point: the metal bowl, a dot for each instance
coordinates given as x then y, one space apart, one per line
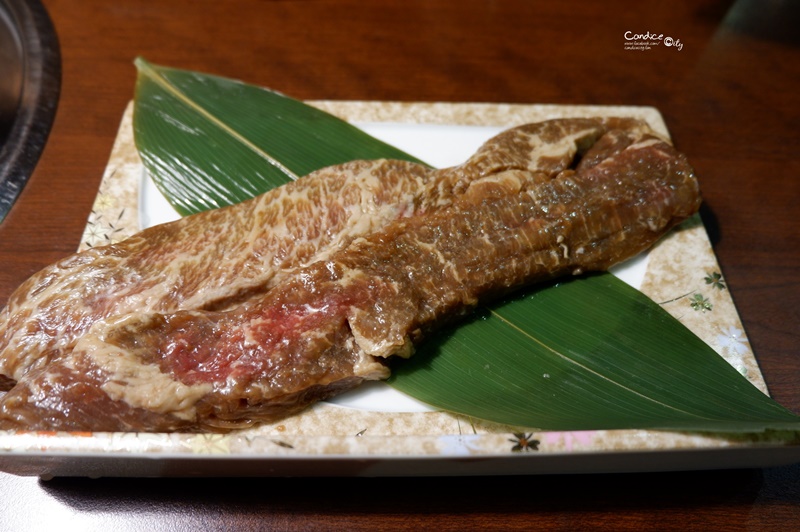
30 82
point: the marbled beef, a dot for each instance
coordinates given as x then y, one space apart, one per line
331 324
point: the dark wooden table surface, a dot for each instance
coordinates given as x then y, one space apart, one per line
730 95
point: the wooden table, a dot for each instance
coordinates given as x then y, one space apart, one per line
729 94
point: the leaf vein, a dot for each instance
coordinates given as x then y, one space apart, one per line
587 369
169 87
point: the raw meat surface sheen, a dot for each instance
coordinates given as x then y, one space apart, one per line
329 325
219 258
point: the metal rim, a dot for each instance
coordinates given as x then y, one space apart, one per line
40 86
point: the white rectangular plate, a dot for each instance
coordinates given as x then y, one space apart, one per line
376 431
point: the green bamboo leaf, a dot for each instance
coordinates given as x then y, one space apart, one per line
591 353
588 353
209 141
